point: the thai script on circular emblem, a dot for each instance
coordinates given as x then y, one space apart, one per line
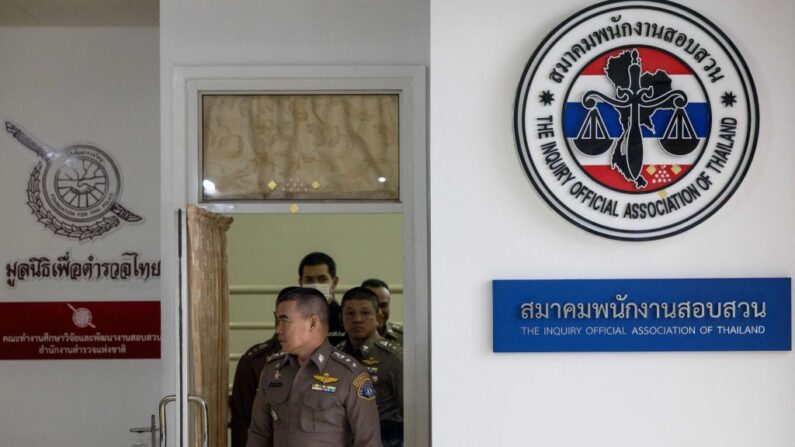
73 191
636 120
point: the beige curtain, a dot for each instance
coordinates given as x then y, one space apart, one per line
208 292
314 147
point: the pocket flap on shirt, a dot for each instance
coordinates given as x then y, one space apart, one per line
319 400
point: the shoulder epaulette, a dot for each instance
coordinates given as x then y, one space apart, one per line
390 346
277 356
397 327
258 349
345 359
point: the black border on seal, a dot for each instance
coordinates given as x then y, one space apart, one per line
731 185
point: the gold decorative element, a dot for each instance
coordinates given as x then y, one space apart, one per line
663 193
370 361
676 169
272 185
316 184
651 169
294 208
326 378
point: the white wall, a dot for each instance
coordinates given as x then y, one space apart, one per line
487 222
99 86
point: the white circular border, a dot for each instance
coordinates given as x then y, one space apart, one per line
534 73
71 154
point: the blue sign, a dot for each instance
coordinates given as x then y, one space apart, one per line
734 314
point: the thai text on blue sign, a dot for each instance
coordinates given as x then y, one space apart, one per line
734 314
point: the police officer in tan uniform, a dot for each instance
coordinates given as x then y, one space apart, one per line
311 394
388 330
383 359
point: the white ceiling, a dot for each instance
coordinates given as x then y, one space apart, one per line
79 12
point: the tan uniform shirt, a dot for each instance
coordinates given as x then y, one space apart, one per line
393 332
384 361
329 401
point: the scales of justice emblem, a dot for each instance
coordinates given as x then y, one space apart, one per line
74 191
651 141
636 120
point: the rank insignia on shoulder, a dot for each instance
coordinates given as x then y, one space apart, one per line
364 387
325 379
273 357
324 388
370 361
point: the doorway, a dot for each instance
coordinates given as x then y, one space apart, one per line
404 218
264 251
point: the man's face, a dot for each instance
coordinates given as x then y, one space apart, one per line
318 274
294 331
360 319
383 304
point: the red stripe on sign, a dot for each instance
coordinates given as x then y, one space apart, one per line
80 330
657 176
651 60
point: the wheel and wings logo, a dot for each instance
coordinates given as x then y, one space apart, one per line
73 191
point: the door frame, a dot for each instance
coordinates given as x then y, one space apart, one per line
180 160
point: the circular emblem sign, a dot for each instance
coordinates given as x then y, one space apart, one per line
81 183
636 120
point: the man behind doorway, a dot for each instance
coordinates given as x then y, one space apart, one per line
311 394
388 330
318 271
244 387
383 359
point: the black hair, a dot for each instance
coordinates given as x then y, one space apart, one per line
318 258
374 283
310 302
360 293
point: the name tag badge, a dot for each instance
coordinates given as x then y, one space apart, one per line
275 385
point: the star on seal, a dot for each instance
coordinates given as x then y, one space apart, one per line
546 97
728 99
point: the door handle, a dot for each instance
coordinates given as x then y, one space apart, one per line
205 419
191 398
162 411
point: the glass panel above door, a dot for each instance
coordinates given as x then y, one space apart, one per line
300 147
